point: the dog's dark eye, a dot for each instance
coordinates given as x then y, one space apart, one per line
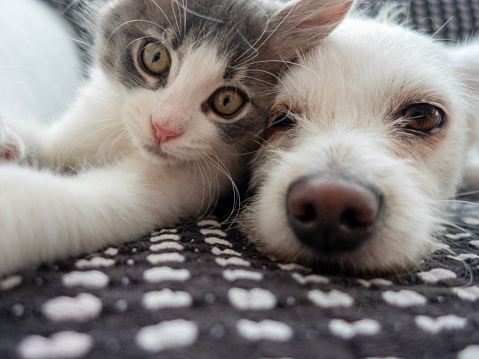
284 120
423 117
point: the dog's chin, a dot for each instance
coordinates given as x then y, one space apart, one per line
364 261
402 238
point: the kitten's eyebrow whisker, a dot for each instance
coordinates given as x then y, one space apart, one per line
277 27
251 47
173 2
185 15
126 23
163 12
126 47
198 14
286 62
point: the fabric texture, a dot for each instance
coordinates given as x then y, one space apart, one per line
200 291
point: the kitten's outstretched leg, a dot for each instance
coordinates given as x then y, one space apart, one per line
44 217
92 131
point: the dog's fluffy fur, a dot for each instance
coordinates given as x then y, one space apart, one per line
347 99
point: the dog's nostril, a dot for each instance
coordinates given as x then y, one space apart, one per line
304 211
332 214
360 217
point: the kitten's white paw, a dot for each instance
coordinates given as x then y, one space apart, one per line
11 145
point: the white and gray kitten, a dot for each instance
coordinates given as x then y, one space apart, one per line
177 96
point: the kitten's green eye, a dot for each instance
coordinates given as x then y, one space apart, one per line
227 102
155 58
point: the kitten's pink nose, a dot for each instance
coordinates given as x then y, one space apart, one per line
163 135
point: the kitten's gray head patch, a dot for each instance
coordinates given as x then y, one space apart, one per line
250 35
232 26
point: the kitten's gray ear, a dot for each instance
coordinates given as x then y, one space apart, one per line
304 23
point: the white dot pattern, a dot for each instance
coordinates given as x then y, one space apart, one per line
179 288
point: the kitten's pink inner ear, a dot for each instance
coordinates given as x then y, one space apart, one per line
331 16
313 18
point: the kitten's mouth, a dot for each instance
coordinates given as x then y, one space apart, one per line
158 152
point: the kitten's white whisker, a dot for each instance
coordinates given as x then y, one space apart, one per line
163 12
126 23
126 47
178 27
198 14
251 46
467 193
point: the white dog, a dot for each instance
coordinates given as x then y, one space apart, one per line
368 141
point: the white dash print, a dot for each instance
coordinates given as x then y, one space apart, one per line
92 279
229 252
168 230
404 298
254 299
208 222
437 275
233 261
212 232
165 237
10 282
165 258
163 274
314 278
264 330
333 299
166 298
82 308
214 241
95 262
173 334
166 245
471 221
345 330
470 294
457 235
380 282
61 345
294 267
111 252
464 256
470 352
237 274
436 325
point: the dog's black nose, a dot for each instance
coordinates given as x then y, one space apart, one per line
332 215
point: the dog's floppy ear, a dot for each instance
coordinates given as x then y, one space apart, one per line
303 23
465 59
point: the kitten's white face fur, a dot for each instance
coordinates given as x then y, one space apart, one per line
348 100
178 108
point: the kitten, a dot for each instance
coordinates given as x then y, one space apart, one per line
173 107
368 143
